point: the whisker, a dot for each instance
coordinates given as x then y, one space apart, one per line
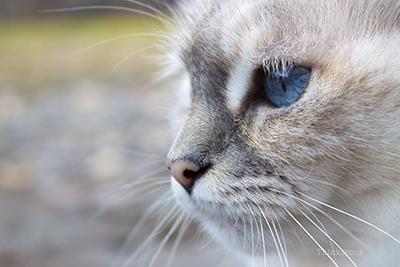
153 191
252 242
297 234
328 236
273 236
166 238
148 34
280 243
354 217
244 235
130 55
145 184
329 217
138 183
258 244
113 200
206 244
162 214
332 185
182 230
252 235
263 243
147 6
312 238
150 174
136 153
284 242
158 187
160 226
322 225
161 202
103 7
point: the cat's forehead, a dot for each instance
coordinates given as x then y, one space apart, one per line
259 31
251 32
222 43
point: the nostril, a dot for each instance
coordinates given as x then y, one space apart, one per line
184 172
190 174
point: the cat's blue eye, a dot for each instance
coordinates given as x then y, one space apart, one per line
283 87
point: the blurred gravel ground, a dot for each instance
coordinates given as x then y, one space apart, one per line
61 154
67 143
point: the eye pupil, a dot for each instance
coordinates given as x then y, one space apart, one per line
283 87
283 84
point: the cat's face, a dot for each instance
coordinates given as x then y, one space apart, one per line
240 162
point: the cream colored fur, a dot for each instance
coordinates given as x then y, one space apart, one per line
278 174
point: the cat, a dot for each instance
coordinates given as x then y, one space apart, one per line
287 123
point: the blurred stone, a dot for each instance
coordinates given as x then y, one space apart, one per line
15 176
106 164
11 105
8 256
87 97
63 196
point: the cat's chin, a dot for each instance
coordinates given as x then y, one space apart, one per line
214 223
236 236
227 228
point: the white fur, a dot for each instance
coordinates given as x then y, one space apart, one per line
238 82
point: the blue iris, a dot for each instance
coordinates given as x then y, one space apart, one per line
283 87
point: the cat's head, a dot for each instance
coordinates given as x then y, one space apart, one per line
242 158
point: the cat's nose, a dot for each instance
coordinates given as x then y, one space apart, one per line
184 172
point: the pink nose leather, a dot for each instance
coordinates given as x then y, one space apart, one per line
184 172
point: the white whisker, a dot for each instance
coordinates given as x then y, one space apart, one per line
263 243
142 186
296 233
136 153
284 242
122 198
130 55
119 37
312 238
103 7
160 226
330 238
354 217
252 235
280 243
206 244
273 236
244 235
182 230
322 225
154 181
332 185
329 217
161 203
166 238
158 187
150 174
146 6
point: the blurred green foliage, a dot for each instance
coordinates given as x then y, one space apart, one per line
35 53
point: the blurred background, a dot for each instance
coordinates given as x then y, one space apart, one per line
77 126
